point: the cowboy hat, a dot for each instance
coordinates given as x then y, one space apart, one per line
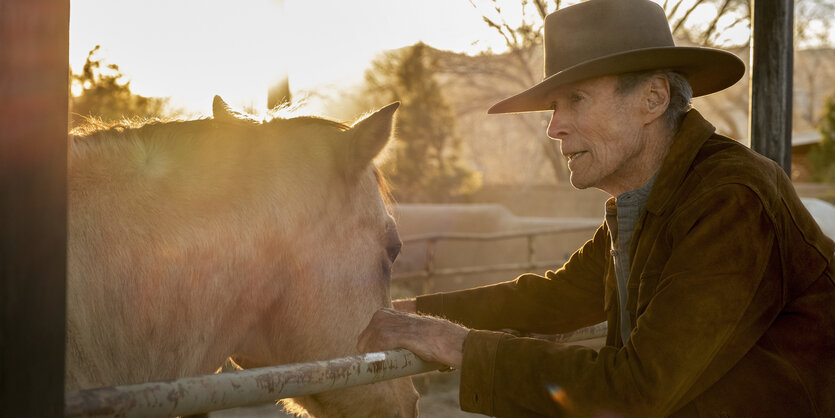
607 37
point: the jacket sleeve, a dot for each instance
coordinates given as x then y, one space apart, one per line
557 302
714 298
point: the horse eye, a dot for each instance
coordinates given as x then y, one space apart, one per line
393 250
393 243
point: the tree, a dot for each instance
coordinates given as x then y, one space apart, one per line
523 40
727 16
103 94
822 157
424 165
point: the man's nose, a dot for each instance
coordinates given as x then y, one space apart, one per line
557 128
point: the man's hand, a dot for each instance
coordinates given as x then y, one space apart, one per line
432 339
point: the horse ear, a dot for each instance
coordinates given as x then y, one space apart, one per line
370 135
223 113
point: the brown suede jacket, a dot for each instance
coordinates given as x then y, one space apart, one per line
731 293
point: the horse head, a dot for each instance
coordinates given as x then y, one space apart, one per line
193 241
338 243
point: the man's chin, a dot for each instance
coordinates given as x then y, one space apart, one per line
577 183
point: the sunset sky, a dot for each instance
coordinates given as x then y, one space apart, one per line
193 49
190 50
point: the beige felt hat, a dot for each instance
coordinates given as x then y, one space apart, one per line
606 37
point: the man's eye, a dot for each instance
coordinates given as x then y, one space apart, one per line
576 97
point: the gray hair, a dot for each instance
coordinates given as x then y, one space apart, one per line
680 92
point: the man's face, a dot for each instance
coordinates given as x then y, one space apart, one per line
600 133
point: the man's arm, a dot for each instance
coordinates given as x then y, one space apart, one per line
561 301
574 295
575 292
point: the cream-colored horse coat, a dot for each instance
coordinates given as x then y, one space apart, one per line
190 242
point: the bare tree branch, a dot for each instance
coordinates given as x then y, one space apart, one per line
540 7
680 23
672 12
499 29
712 27
737 21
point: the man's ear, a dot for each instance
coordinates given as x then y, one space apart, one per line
657 97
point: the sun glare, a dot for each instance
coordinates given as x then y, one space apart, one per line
190 50
184 49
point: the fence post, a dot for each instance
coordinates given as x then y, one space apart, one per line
771 80
429 280
34 56
531 250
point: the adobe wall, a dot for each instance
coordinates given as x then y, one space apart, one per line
553 201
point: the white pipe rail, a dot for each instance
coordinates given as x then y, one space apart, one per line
193 395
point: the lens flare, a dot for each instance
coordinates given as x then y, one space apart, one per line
557 394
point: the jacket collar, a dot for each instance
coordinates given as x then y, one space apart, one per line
687 142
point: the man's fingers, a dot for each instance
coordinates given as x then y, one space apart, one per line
371 338
432 339
367 337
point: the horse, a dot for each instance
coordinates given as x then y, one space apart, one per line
190 242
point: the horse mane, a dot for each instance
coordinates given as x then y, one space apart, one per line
88 137
95 133
92 125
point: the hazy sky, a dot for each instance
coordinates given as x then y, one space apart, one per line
190 50
193 49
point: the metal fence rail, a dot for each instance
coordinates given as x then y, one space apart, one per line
193 395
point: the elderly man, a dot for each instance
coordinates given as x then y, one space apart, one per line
716 283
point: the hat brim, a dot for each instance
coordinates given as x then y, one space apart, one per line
707 70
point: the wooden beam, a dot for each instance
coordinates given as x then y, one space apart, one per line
34 59
771 79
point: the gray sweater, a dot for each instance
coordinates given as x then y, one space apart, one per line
622 214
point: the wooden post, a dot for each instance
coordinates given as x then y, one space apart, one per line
34 56
770 120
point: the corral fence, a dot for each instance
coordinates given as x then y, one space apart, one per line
201 394
430 272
